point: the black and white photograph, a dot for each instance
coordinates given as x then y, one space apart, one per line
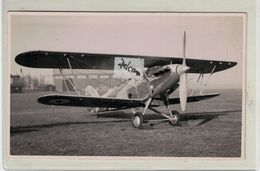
127 84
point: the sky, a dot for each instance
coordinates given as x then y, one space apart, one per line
209 36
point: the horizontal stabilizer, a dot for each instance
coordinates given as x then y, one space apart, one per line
85 101
51 59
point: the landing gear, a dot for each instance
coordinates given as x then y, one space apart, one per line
175 118
137 120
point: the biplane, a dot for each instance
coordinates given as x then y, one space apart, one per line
150 81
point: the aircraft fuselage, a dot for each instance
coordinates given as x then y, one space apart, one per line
161 81
164 82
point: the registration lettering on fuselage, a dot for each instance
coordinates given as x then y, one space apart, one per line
128 68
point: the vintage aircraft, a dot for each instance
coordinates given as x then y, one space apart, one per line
150 81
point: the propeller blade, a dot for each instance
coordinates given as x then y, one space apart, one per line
183 91
183 77
184 49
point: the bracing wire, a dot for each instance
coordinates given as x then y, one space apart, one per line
102 72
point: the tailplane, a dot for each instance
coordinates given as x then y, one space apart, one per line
91 92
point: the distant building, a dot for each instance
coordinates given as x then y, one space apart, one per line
47 87
16 84
28 82
95 78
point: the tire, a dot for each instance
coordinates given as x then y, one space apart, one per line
137 120
176 116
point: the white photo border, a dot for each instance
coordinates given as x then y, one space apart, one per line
188 6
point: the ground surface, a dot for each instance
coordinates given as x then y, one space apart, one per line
44 130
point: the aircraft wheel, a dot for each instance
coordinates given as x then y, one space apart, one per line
137 120
176 118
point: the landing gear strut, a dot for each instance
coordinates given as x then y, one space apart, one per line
173 118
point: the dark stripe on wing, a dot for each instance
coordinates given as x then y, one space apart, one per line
82 101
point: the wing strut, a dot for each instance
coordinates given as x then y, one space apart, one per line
71 83
74 78
206 83
203 84
64 80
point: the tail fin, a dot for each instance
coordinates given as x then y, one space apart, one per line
91 91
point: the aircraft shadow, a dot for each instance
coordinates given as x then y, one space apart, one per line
204 117
123 117
184 117
33 128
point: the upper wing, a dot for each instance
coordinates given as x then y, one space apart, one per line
83 101
49 59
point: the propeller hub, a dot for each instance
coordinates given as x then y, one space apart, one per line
185 68
180 69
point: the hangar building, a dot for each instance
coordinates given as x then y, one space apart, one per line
97 78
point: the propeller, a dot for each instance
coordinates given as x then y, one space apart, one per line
183 77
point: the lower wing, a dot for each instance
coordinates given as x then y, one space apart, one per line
190 99
85 101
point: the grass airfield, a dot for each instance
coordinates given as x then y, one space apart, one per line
210 128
